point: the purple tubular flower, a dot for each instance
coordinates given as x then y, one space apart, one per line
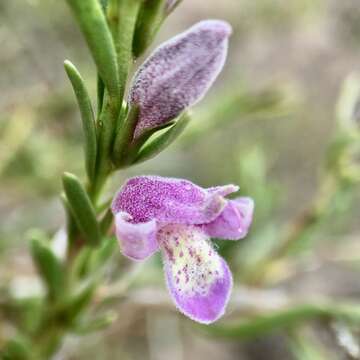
178 218
179 73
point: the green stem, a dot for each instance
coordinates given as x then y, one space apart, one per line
91 19
151 17
95 188
111 45
124 137
49 341
106 127
122 16
262 324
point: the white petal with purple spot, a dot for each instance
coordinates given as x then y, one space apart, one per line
234 221
199 280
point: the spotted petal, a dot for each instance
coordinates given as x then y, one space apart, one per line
198 279
137 241
234 221
168 201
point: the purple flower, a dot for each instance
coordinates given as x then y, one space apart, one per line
179 73
178 217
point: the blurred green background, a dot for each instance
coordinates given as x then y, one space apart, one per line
269 124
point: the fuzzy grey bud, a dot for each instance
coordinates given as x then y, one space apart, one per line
179 73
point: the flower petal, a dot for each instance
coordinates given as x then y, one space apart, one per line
198 279
179 73
167 200
137 241
234 221
223 190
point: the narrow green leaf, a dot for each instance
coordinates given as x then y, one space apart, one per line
49 266
164 140
100 256
103 206
71 227
96 324
87 117
103 4
285 318
90 260
306 348
92 21
79 301
125 135
150 18
122 15
132 149
100 94
80 265
82 209
263 324
141 140
171 6
106 126
106 222
17 349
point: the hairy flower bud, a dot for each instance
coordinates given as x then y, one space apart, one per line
179 73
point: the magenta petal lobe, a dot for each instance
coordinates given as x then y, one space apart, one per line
137 241
234 221
198 279
223 190
167 200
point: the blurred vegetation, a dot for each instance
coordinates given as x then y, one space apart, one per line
283 123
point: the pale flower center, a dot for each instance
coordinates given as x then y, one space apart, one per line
191 259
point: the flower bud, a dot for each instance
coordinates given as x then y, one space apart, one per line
179 73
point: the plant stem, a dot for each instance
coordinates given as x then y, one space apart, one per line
111 47
122 16
262 324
